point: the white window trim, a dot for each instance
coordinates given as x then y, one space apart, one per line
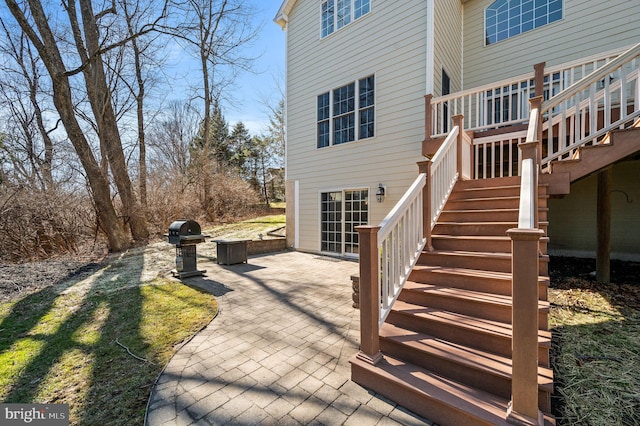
356 111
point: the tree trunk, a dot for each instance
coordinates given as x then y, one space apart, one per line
107 217
52 59
99 96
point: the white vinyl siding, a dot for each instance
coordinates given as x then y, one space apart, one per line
588 27
448 44
371 45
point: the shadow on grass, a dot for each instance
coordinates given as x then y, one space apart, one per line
74 337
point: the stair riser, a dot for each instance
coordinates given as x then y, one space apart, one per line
443 243
502 246
470 282
497 344
431 408
480 204
473 307
480 229
490 192
489 182
485 193
485 216
481 379
474 262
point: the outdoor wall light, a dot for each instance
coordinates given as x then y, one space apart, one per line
380 193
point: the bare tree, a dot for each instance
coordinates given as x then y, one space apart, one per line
144 54
216 32
20 90
171 137
90 45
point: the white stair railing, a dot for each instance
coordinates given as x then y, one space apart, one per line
444 174
389 251
584 100
400 242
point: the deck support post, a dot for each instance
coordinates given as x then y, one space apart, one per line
369 294
603 255
425 167
523 408
538 79
428 113
458 120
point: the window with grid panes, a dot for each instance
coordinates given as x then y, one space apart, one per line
507 18
336 14
346 114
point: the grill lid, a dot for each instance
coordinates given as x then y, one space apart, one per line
183 229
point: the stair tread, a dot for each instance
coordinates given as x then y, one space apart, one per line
470 295
499 210
497 255
482 405
481 188
476 402
474 253
515 222
502 197
473 358
471 272
478 237
482 326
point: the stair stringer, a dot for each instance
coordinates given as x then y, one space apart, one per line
617 145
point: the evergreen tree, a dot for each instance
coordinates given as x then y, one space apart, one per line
239 147
219 136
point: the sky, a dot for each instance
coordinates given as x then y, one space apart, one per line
252 89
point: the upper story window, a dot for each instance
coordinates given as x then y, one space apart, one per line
346 113
508 18
338 13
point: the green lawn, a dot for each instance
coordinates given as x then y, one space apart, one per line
99 342
65 346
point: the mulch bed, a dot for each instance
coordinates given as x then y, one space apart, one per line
575 273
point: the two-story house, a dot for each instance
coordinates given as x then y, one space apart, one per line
374 87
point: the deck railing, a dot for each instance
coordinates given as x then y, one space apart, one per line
583 101
506 102
525 240
582 114
388 252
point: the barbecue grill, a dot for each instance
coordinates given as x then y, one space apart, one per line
185 234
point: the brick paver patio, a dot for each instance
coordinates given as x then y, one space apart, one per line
276 354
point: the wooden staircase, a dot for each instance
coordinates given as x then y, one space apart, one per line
446 345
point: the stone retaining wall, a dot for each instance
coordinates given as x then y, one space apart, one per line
266 246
